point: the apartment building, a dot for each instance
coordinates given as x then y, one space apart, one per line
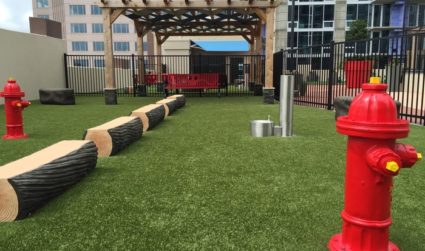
82 27
321 21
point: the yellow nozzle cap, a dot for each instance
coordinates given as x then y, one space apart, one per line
392 166
11 78
18 104
420 157
375 80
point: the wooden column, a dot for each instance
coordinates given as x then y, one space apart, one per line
269 46
159 59
140 52
252 62
110 88
259 51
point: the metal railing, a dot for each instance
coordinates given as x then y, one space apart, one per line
238 74
327 71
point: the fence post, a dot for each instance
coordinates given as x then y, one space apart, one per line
65 62
133 75
331 74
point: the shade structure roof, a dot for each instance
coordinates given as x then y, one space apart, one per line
196 17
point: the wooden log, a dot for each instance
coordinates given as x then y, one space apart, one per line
170 106
151 115
112 137
29 183
181 99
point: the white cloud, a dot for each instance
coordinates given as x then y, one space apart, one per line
14 14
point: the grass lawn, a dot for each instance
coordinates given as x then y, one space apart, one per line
199 181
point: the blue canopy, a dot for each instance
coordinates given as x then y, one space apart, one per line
240 45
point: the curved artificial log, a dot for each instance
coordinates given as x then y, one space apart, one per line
170 105
151 115
29 183
112 137
181 100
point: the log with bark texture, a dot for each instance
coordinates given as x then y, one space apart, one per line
151 115
112 137
170 106
181 99
29 183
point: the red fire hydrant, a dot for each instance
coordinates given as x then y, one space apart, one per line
373 158
13 107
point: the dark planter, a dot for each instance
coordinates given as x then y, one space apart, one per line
141 91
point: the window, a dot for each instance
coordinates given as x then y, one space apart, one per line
421 15
75 10
413 15
43 16
99 63
78 28
120 28
95 10
98 46
121 46
351 11
81 62
386 13
376 15
42 4
329 13
317 16
79 46
304 16
97 28
363 10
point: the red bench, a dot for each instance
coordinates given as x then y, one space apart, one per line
196 81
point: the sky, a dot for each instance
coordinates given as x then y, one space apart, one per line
14 14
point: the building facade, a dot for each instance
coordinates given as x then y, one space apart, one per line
82 27
321 21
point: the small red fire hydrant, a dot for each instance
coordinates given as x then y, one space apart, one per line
373 159
13 106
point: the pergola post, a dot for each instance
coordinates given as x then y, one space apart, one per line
268 90
259 50
110 87
140 52
253 59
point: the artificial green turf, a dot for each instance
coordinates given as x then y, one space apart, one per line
199 181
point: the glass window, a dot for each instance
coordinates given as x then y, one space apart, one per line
317 16
79 46
75 10
328 37
78 28
303 39
81 62
363 10
329 13
42 3
421 15
120 28
122 46
351 11
97 28
99 63
98 46
304 16
377 15
95 10
290 13
43 16
386 15
413 15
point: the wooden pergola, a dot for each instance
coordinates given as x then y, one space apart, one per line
168 18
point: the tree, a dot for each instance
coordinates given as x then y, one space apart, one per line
358 31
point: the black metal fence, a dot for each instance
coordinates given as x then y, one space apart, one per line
201 75
324 72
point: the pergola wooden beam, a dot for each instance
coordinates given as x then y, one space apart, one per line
183 4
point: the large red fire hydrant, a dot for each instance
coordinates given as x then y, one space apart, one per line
373 159
13 106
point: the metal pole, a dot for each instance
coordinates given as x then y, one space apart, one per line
286 104
292 33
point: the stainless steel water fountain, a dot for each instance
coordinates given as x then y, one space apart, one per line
262 128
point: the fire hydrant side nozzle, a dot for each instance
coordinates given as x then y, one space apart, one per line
13 106
373 159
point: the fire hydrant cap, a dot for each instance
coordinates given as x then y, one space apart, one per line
12 89
392 166
373 114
